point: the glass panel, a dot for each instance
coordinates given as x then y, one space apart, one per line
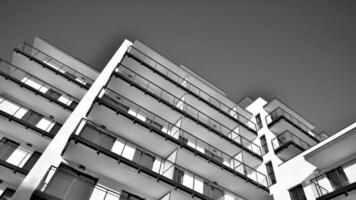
45 124
19 157
9 107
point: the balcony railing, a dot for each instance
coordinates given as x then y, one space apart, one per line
336 182
34 84
70 189
279 113
191 88
288 137
55 65
185 108
123 150
30 119
181 137
16 160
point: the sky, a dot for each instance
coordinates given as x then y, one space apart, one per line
302 52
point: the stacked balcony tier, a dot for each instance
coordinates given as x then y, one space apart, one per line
248 127
96 147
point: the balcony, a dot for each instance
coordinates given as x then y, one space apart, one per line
336 149
159 125
96 148
38 87
15 161
286 145
29 119
191 145
56 71
187 86
280 120
339 183
231 135
66 183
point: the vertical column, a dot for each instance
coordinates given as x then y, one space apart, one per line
52 155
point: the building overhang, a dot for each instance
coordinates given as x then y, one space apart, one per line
334 150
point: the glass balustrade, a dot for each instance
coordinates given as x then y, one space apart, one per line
177 134
28 117
46 90
54 65
155 165
335 180
186 108
286 137
184 83
74 186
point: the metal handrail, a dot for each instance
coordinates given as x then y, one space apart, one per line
99 191
187 108
15 72
320 185
21 107
179 134
160 166
279 112
54 63
287 136
192 88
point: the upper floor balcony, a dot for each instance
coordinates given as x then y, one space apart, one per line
235 169
67 183
21 121
37 86
280 120
54 71
233 135
192 89
287 145
16 160
165 129
338 183
96 148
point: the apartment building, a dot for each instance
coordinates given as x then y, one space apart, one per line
146 128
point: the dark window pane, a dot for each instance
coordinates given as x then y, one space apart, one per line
31 161
7 147
32 117
69 185
7 194
264 144
259 121
297 193
270 172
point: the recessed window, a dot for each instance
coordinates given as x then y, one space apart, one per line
270 172
264 144
297 193
259 121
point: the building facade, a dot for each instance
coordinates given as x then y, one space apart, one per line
146 128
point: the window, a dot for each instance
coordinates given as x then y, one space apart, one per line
7 147
270 172
297 193
70 184
264 144
7 194
45 124
259 121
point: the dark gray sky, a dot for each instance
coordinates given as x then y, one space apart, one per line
302 52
